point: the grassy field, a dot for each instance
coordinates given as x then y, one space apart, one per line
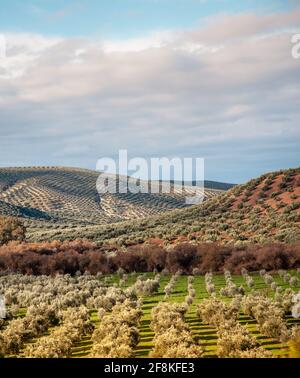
205 333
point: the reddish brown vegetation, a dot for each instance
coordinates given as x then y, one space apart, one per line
81 255
282 186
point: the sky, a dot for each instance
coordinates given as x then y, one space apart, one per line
216 79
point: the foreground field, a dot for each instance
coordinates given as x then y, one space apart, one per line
78 317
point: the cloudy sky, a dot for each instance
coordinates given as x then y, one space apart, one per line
80 80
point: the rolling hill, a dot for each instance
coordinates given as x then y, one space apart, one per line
58 197
265 209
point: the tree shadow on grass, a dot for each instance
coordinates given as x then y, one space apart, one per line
147 307
142 352
147 302
146 339
144 323
248 321
84 343
209 337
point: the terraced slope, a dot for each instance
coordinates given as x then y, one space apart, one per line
51 196
263 210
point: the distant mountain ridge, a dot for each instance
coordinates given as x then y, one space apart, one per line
209 184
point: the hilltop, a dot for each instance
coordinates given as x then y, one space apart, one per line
58 197
265 209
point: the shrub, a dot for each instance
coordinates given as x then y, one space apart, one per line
75 324
11 229
215 312
172 336
196 272
230 290
233 339
210 287
170 286
294 281
174 343
117 334
268 279
147 287
268 315
79 256
296 306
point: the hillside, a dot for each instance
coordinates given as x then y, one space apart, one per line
57 197
208 184
262 210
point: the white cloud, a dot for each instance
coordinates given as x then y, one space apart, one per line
21 50
155 40
206 91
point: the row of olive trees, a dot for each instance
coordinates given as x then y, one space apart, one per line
170 285
231 289
50 302
268 314
234 340
118 332
249 280
209 285
20 330
148 286
173 338
189 299
44 297
291 280
61 291
75 323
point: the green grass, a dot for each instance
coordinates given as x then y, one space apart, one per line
204 333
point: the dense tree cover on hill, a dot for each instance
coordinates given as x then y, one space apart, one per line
264 210
59 197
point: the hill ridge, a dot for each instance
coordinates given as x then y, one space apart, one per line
266 209
68 196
